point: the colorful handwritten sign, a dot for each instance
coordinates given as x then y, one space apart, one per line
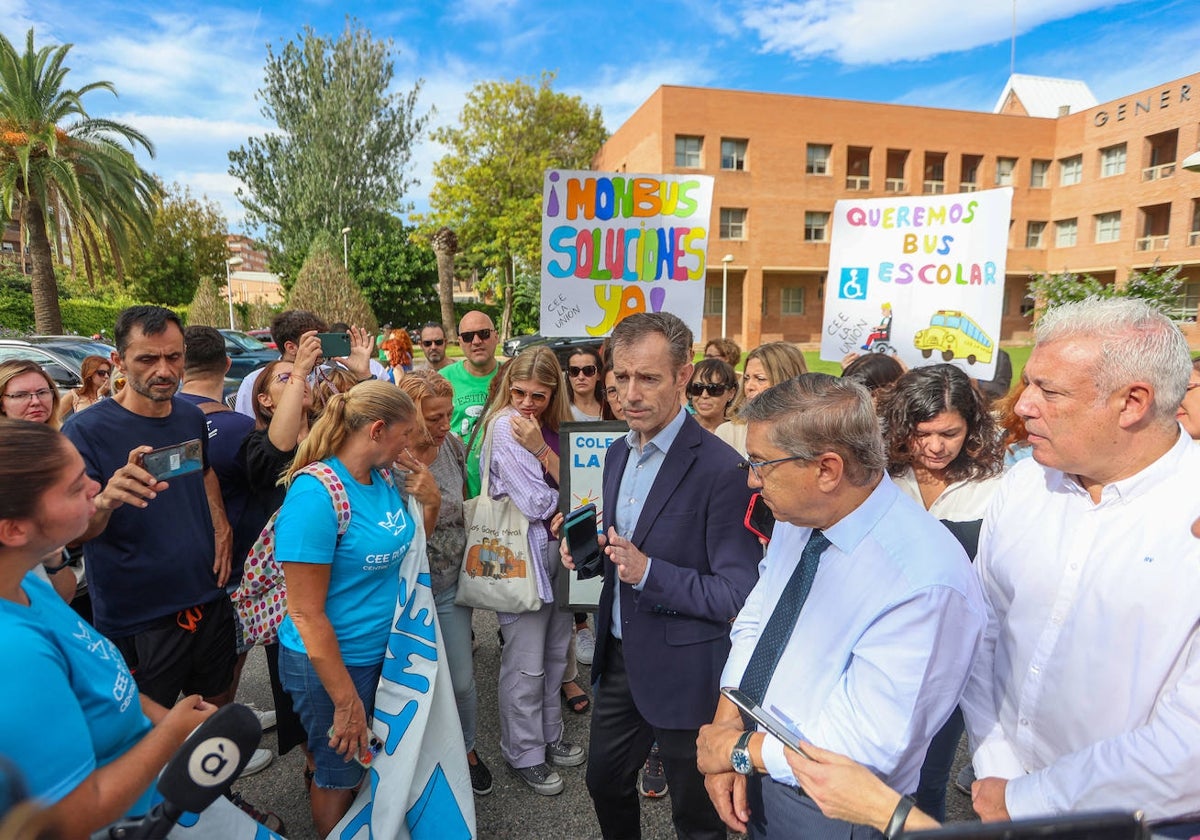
615 243
922 277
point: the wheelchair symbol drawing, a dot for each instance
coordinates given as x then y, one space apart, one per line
853 284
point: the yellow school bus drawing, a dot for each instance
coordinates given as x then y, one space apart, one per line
955 336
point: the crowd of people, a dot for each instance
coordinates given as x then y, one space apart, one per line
1020 569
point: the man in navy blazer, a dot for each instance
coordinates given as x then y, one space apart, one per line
679 565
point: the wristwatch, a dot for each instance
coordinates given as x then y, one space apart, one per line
740 759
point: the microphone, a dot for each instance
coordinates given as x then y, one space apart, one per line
201 771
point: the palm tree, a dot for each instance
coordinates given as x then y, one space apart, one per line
76 179
445 246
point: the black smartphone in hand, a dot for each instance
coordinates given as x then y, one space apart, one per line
581 530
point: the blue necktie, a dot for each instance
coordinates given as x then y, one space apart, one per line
778 630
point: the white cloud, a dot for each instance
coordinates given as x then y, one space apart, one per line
619 91
869 32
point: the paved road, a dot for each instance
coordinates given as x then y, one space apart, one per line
512 811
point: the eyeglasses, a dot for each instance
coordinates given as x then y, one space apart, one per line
42 394
536 397
1191 386
438 342
103 372
469 336
586 370
756 466
713 389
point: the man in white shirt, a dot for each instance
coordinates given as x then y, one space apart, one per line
1086 691
877 656
286 329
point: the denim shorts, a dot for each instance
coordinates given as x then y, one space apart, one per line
315 708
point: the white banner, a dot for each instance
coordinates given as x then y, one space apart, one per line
615 243
419 786
919 276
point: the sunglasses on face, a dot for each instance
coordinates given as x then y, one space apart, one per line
586 370
469 336
438 342
713 389
103 372
535 397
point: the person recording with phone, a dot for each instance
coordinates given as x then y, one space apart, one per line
157 552
869 600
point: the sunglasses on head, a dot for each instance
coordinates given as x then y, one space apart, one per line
536 397
713 389
438 342
470 335
586 370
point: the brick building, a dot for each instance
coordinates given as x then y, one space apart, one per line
1097 188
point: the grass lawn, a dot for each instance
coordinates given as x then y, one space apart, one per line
1019 355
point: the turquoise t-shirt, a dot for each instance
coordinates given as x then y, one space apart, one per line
364 579
71 705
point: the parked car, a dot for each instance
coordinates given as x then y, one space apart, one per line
264 336
563 346
245 353
61 356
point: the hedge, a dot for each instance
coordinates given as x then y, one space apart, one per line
79 317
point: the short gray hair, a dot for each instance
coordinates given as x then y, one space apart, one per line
1137 343
643 324
816 413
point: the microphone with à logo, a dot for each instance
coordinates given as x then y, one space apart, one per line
200 772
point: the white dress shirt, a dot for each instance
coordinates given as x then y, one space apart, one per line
1086 690
961 501
882 648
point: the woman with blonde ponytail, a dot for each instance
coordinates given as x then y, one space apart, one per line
342 589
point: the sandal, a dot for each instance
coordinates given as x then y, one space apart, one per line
577 703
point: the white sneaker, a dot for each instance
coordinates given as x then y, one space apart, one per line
266 719
260 761
585 646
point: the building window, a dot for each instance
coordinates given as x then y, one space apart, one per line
733 223
816 227
1070 170
1035 233
1004 171
935 173
897 163
818 159
969 178
1112 161
1108 227
1066 231
1189 302
712 300
1039 173
858 168
733 154
1194 231
791 300
687 151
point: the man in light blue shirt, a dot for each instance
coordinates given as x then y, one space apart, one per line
888 620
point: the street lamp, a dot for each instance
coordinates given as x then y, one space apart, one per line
229 263
1192 162
346 248
725 261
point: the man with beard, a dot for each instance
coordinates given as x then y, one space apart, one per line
433 345
157 551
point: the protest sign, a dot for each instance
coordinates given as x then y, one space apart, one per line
920 276
618 243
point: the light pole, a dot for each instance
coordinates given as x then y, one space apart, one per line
229 263
725 261
346 248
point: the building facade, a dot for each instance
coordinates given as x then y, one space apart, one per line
1096 187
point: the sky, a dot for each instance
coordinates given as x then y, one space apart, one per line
186 73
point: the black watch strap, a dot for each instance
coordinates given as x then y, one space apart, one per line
896 823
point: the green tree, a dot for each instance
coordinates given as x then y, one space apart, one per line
65 174
343 145
488 187
186 245
397 274
208 308
1158 286
324 287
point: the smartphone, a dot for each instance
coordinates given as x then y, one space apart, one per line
581 530
374 748
173 461
334 345
766 720
759 519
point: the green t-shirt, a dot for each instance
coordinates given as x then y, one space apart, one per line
470 395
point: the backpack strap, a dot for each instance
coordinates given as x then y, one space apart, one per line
325 474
